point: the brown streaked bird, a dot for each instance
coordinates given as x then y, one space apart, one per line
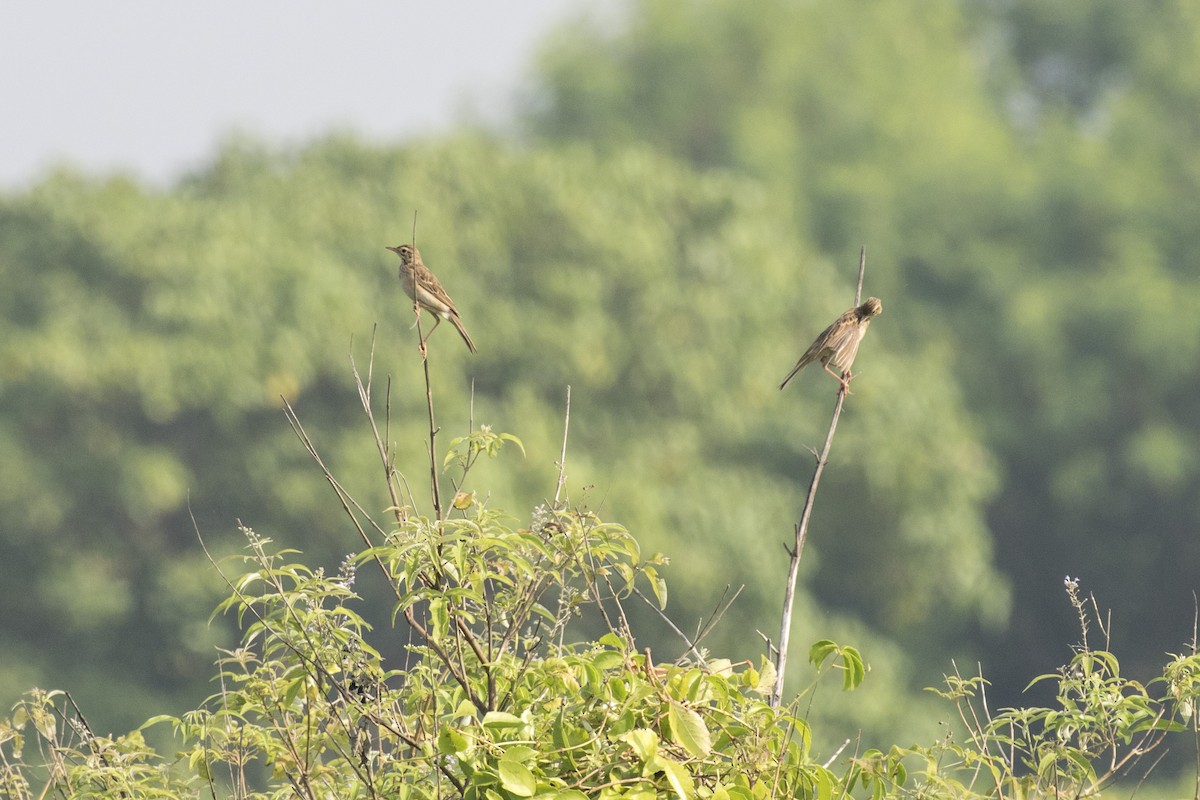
423 287
838 344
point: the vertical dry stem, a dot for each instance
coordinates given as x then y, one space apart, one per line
801 530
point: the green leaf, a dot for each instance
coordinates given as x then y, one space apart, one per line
501 719
644 742
657 585
510 438
520 753
515 777
676 775
608 659
824 784
820 650
610 639
451 742
766 677
854 670
689 731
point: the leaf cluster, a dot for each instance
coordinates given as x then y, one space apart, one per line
657 291
494 701
1029 170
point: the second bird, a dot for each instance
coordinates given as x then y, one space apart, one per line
838 344
424 288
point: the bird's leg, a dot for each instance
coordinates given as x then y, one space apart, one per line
843 379
416 315
436 321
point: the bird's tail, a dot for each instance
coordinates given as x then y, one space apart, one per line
462 331
801 364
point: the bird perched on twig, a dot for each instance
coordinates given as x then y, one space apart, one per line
838 344
424 288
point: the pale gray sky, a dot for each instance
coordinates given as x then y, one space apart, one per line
151 86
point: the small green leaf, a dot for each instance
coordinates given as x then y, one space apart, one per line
676 774
820 650
766 678
610 639
509 437
450 742
689 731
515 777
854 670
644 743
608 659
824 785
659 586
501 719
520 753
149 722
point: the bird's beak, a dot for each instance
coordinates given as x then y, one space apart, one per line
394 249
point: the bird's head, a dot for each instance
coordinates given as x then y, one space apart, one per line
408 254
872 307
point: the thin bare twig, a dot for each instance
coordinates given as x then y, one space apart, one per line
424 349
433 431
381 443
706 628
801 529
349 504
562 459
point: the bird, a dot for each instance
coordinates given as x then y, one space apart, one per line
424 288
838 344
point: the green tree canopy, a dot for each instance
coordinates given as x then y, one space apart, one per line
153 334
1027 173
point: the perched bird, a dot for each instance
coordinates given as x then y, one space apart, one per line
423 287
838 344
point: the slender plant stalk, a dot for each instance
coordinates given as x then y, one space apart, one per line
801 529
562 459
435 488
381 442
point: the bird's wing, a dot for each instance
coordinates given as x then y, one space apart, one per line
814 351
845 339
819 346
841 334
429 282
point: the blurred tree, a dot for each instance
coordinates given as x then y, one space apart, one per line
1027 172
154 333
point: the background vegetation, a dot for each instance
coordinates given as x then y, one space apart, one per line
679 215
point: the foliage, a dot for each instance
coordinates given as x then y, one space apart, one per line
1028 170
671 300
493 700
682 221
1104 727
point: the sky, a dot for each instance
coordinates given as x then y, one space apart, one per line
152 87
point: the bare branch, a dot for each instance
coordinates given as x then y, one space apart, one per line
562 459
801 529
